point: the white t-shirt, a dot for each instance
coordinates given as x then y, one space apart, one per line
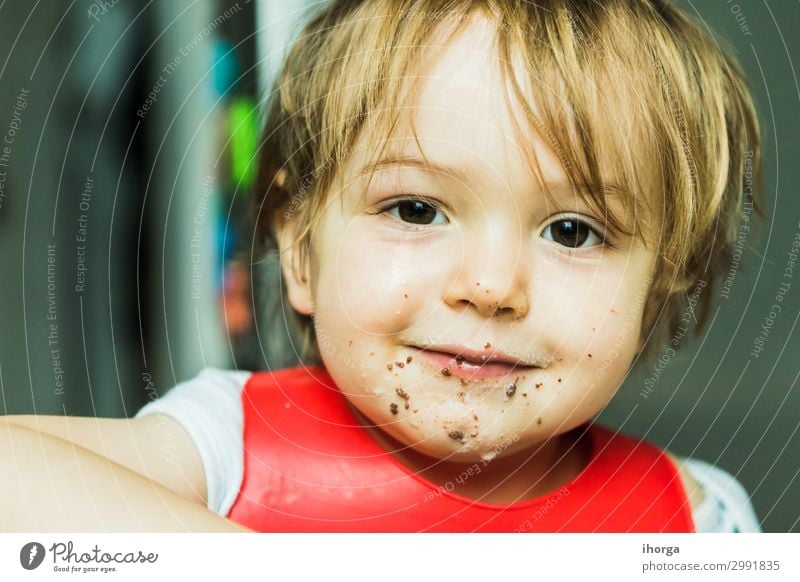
209 407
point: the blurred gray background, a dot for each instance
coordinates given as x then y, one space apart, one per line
116 223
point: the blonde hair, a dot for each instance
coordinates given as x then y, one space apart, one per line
630 94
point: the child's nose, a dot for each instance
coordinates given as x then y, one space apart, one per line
494 276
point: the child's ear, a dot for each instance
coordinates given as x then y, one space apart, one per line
297 280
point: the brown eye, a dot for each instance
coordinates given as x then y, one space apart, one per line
572 233
417 212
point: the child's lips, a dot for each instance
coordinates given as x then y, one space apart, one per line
449 364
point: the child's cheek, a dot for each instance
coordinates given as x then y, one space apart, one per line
592 313
613 331
379 286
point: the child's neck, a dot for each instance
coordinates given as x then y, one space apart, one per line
523 475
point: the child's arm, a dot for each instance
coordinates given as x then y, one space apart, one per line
693 489
86 474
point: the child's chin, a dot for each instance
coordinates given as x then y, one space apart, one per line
467 450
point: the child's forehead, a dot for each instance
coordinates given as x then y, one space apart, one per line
469 60
458 110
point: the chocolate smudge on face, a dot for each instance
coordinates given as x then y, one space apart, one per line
456 435
404 395
393 408
511 390
399 364
539 420
389 366
408 359
445 371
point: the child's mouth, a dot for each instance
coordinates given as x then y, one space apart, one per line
461 366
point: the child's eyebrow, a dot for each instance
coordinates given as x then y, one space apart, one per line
558 189
412 161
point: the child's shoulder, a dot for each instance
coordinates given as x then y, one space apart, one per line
720 504
693 488
209 407
221 389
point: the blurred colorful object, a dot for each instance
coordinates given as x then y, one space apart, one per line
238 126
243 120
235 300
226 66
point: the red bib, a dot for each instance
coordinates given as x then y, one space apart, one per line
309 466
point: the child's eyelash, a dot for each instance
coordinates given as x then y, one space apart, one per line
434 205
422 201
394 201
600 232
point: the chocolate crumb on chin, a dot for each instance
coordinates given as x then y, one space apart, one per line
393 408
456 435
511 390
404 395
445 372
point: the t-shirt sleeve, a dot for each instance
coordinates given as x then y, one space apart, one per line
726 506
209 408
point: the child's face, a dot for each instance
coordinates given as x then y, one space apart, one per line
497 268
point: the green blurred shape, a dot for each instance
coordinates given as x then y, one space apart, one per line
243 126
